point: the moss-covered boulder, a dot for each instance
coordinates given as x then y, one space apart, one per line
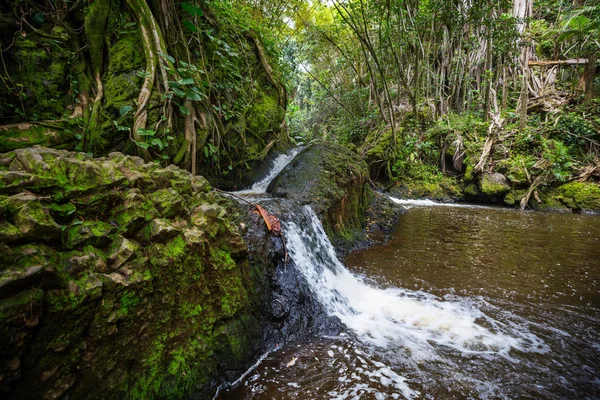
493 184
578 195
334 181
121 279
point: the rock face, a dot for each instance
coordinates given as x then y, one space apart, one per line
120 279
334 181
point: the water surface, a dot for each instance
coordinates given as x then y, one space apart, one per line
461 303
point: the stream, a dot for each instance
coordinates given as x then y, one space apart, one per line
462 302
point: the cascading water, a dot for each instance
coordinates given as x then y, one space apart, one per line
279 163
393 317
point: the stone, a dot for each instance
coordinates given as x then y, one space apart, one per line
157 230
120 251
116 278
200 184
211 210
169 203
88 259
95 233
16 279
34 220
9 232
194 237
493 184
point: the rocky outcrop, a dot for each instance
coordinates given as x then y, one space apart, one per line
121 279
334 181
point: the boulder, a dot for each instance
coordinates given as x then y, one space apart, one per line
333 180
494 184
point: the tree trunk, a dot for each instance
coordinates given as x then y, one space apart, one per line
590 74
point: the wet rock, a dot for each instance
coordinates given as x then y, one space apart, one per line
578 195
334 181
133 214
88 259
211 210
194 237
12 280
90 299
169 203
9 232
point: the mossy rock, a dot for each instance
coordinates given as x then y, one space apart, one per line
493 184
334 181
135 320
578 195
94 233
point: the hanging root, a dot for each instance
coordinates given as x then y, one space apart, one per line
495 126
268 70
153 46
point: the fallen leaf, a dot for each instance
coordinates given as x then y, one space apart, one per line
292 362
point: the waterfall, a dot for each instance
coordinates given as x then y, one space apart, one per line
419 323
279 163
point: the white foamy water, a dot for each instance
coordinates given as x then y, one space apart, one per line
417 323
431 203
279 163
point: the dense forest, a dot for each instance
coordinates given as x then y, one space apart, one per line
431 94
133 264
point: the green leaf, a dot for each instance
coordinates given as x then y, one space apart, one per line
77 222
157 142
192 95
166 56
186 81
178 92
184 110
143 145
190 26
124 110
170 138
145 132
191 9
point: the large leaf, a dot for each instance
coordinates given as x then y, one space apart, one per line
124 110
191 9
272 222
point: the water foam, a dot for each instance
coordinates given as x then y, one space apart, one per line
419 323
431 203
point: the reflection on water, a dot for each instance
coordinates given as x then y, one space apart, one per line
461 303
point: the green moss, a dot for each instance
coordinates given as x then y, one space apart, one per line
221 259
513 198
128 301
28 135
579 195
175 248
95 233
95 28
13 306
493 184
